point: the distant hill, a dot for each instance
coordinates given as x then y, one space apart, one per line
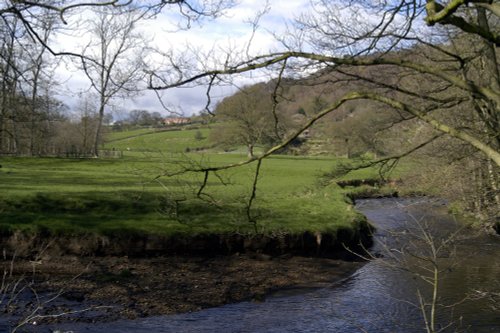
356 128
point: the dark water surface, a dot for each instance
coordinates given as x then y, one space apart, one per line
377 298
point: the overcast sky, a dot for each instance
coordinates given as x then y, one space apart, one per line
231 29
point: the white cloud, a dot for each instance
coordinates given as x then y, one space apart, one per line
230 31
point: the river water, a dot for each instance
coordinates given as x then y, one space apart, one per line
379 297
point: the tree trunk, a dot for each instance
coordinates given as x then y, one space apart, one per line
250 150
97 136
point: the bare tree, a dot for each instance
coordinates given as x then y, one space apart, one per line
26 14
39 82
87 123
116 68
246 119
427 253
11 74
368 45
26 28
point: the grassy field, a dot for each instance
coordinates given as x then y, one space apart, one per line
120 195
109 195
151 140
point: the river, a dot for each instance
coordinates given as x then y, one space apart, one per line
377 298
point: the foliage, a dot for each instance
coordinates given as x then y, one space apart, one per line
139 118
198 136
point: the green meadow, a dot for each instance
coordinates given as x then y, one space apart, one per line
134 194
150 140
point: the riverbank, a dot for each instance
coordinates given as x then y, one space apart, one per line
195 283
130 277
126 288
110 207
39 245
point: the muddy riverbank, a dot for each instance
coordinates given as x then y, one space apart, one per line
123 276
37 244
140 287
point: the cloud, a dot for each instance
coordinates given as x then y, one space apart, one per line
210 38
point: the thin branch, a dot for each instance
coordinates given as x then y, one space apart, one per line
253 195
275 98
203 185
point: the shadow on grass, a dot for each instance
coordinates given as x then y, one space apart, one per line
114 212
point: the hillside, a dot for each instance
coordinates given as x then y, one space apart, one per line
164 140
354 129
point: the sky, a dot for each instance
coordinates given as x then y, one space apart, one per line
230 30
212 39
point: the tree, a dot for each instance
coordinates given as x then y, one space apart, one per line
40 79
144 118
86 125
26 13
198 136
247 119
116 67
10 76
444 76
26 108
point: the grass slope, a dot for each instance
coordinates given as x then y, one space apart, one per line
150 140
